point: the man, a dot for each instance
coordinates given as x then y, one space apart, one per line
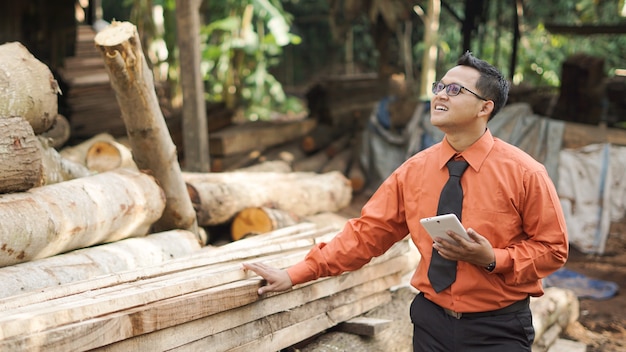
510 209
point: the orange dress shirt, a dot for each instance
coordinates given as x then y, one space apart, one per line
508 198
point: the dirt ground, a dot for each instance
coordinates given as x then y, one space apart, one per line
601 324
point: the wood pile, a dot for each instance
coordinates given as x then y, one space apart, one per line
204 301
88 269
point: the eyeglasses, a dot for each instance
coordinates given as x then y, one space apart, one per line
452 89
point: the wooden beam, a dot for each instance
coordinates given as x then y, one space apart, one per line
589 29
364 326
254 135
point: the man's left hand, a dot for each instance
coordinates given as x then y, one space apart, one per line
478 251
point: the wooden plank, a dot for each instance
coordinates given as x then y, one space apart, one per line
364 326
221 325
87 333
240 251
576 135
254 135
289 334
98 302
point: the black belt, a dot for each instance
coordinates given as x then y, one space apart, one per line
515 307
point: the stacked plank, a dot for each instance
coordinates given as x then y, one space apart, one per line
87 91
346 101
204 301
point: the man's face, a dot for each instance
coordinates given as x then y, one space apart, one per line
457 113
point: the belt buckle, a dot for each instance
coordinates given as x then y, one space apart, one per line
453 314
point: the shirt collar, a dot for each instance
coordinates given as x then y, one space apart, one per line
475 155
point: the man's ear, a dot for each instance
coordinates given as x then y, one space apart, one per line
487 108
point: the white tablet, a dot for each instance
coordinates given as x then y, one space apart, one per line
437 226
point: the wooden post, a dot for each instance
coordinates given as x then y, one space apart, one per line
195 132
148 135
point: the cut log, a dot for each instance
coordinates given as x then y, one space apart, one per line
78 153
356 175
49 220
340 162
338 145
82 264
288 152
27 87
320 138
20 159
556 307
109 155
300 193
268 166
313 163
57 169
259 220
59 133
257 135
230 162
150 141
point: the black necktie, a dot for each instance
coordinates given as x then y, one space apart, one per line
442 272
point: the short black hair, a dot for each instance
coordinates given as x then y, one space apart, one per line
491 83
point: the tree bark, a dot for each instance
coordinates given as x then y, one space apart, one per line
59 133
147 131
83 264
20 159
27 87
53 219
196 139
57 169
298 192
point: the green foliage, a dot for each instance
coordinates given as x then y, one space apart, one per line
540 53
239 50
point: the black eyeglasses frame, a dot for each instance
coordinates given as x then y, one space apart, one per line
445 87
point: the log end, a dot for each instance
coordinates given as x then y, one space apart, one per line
115 34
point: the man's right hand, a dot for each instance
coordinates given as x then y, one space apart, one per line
277 279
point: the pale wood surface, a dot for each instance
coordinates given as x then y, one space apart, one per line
300 193
52 219
27 87
257 135
149 138
86 263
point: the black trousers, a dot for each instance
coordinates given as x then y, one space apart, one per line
436 331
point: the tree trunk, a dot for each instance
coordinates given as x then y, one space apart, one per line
83 264
259 220
57 169
196 139
20 159
27 87
147 131
78 153
429 60
59 133
109 155
298 192
53 219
